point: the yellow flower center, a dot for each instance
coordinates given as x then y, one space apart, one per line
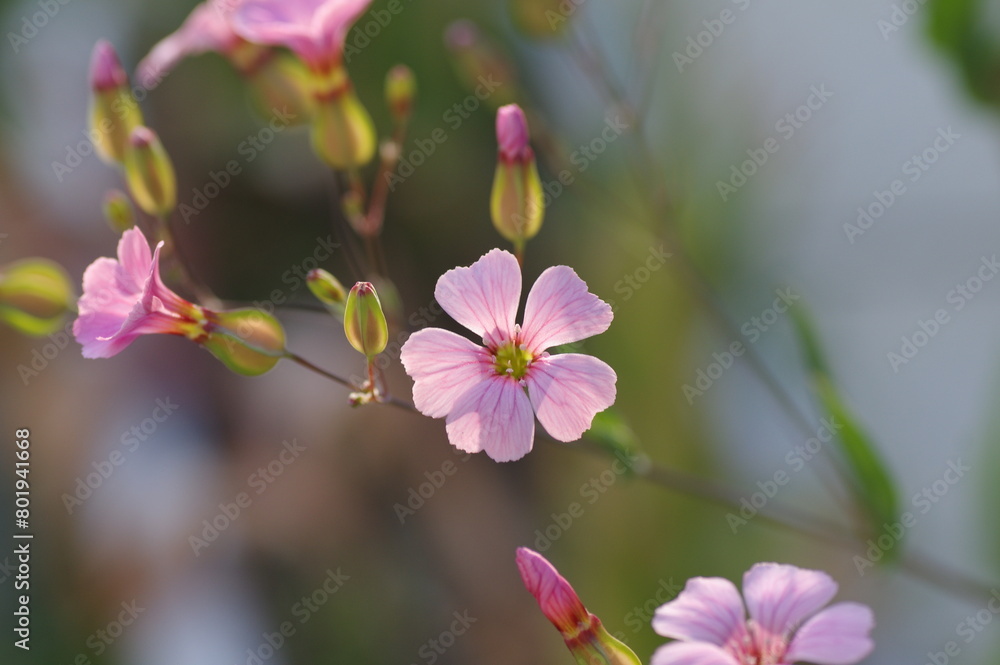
512 360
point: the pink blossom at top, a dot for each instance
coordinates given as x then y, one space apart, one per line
512 134
480 390
206 29
125 298
787 621
314 29
106 72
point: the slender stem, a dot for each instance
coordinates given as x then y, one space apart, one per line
294 357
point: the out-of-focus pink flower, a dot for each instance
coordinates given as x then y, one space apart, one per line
787 621
206 29
481 391
583 632
314 29
125 298
512 134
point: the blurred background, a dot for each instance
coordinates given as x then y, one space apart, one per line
339 546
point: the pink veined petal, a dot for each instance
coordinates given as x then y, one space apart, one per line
709 609
135 259
692 653
104 289
483 297
314 29
837 635
444 366
568 390
336 18
556 597
206 29
561 310
494 416
780 597
93 330
155 288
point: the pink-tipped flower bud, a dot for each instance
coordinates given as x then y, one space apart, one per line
512 134
106 71
114 113
364 321
400 91
35 296
343 134
118 211
583 633
327 288
517 204
150 173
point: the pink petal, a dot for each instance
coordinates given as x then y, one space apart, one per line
495 416
444 366
483 297
135 258
561 310
94 331
558 601
568 390
709 609
691 653
155 288
206 28
780 597
836 636
107 289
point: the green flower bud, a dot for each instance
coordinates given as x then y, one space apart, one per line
343 134
118 211
35 295
247 341
517 204
150 173
400 91
364 322
114 113
327 288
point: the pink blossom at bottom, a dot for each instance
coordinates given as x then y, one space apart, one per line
787 621
490 394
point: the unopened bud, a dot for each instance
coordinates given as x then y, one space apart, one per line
583 632
282 83
481 64
327 288
364 321
118 211
247 341
517 204
400 91
150 173
114 113
35 295
343 134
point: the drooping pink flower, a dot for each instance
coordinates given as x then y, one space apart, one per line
206 29
787 621
481 390
314 29
125 298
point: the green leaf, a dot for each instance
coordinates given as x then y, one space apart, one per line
871 482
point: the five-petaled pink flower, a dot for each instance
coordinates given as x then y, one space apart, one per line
124 299
787 623
314 29
481 391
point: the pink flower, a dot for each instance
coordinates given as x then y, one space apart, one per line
481 391
314 29
124 299
512 134
787 623
206 29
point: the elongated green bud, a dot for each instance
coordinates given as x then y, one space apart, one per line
247 341
150 173
343 134
118 211
400 91
327 288
517 204
364 322
114 113
35 295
